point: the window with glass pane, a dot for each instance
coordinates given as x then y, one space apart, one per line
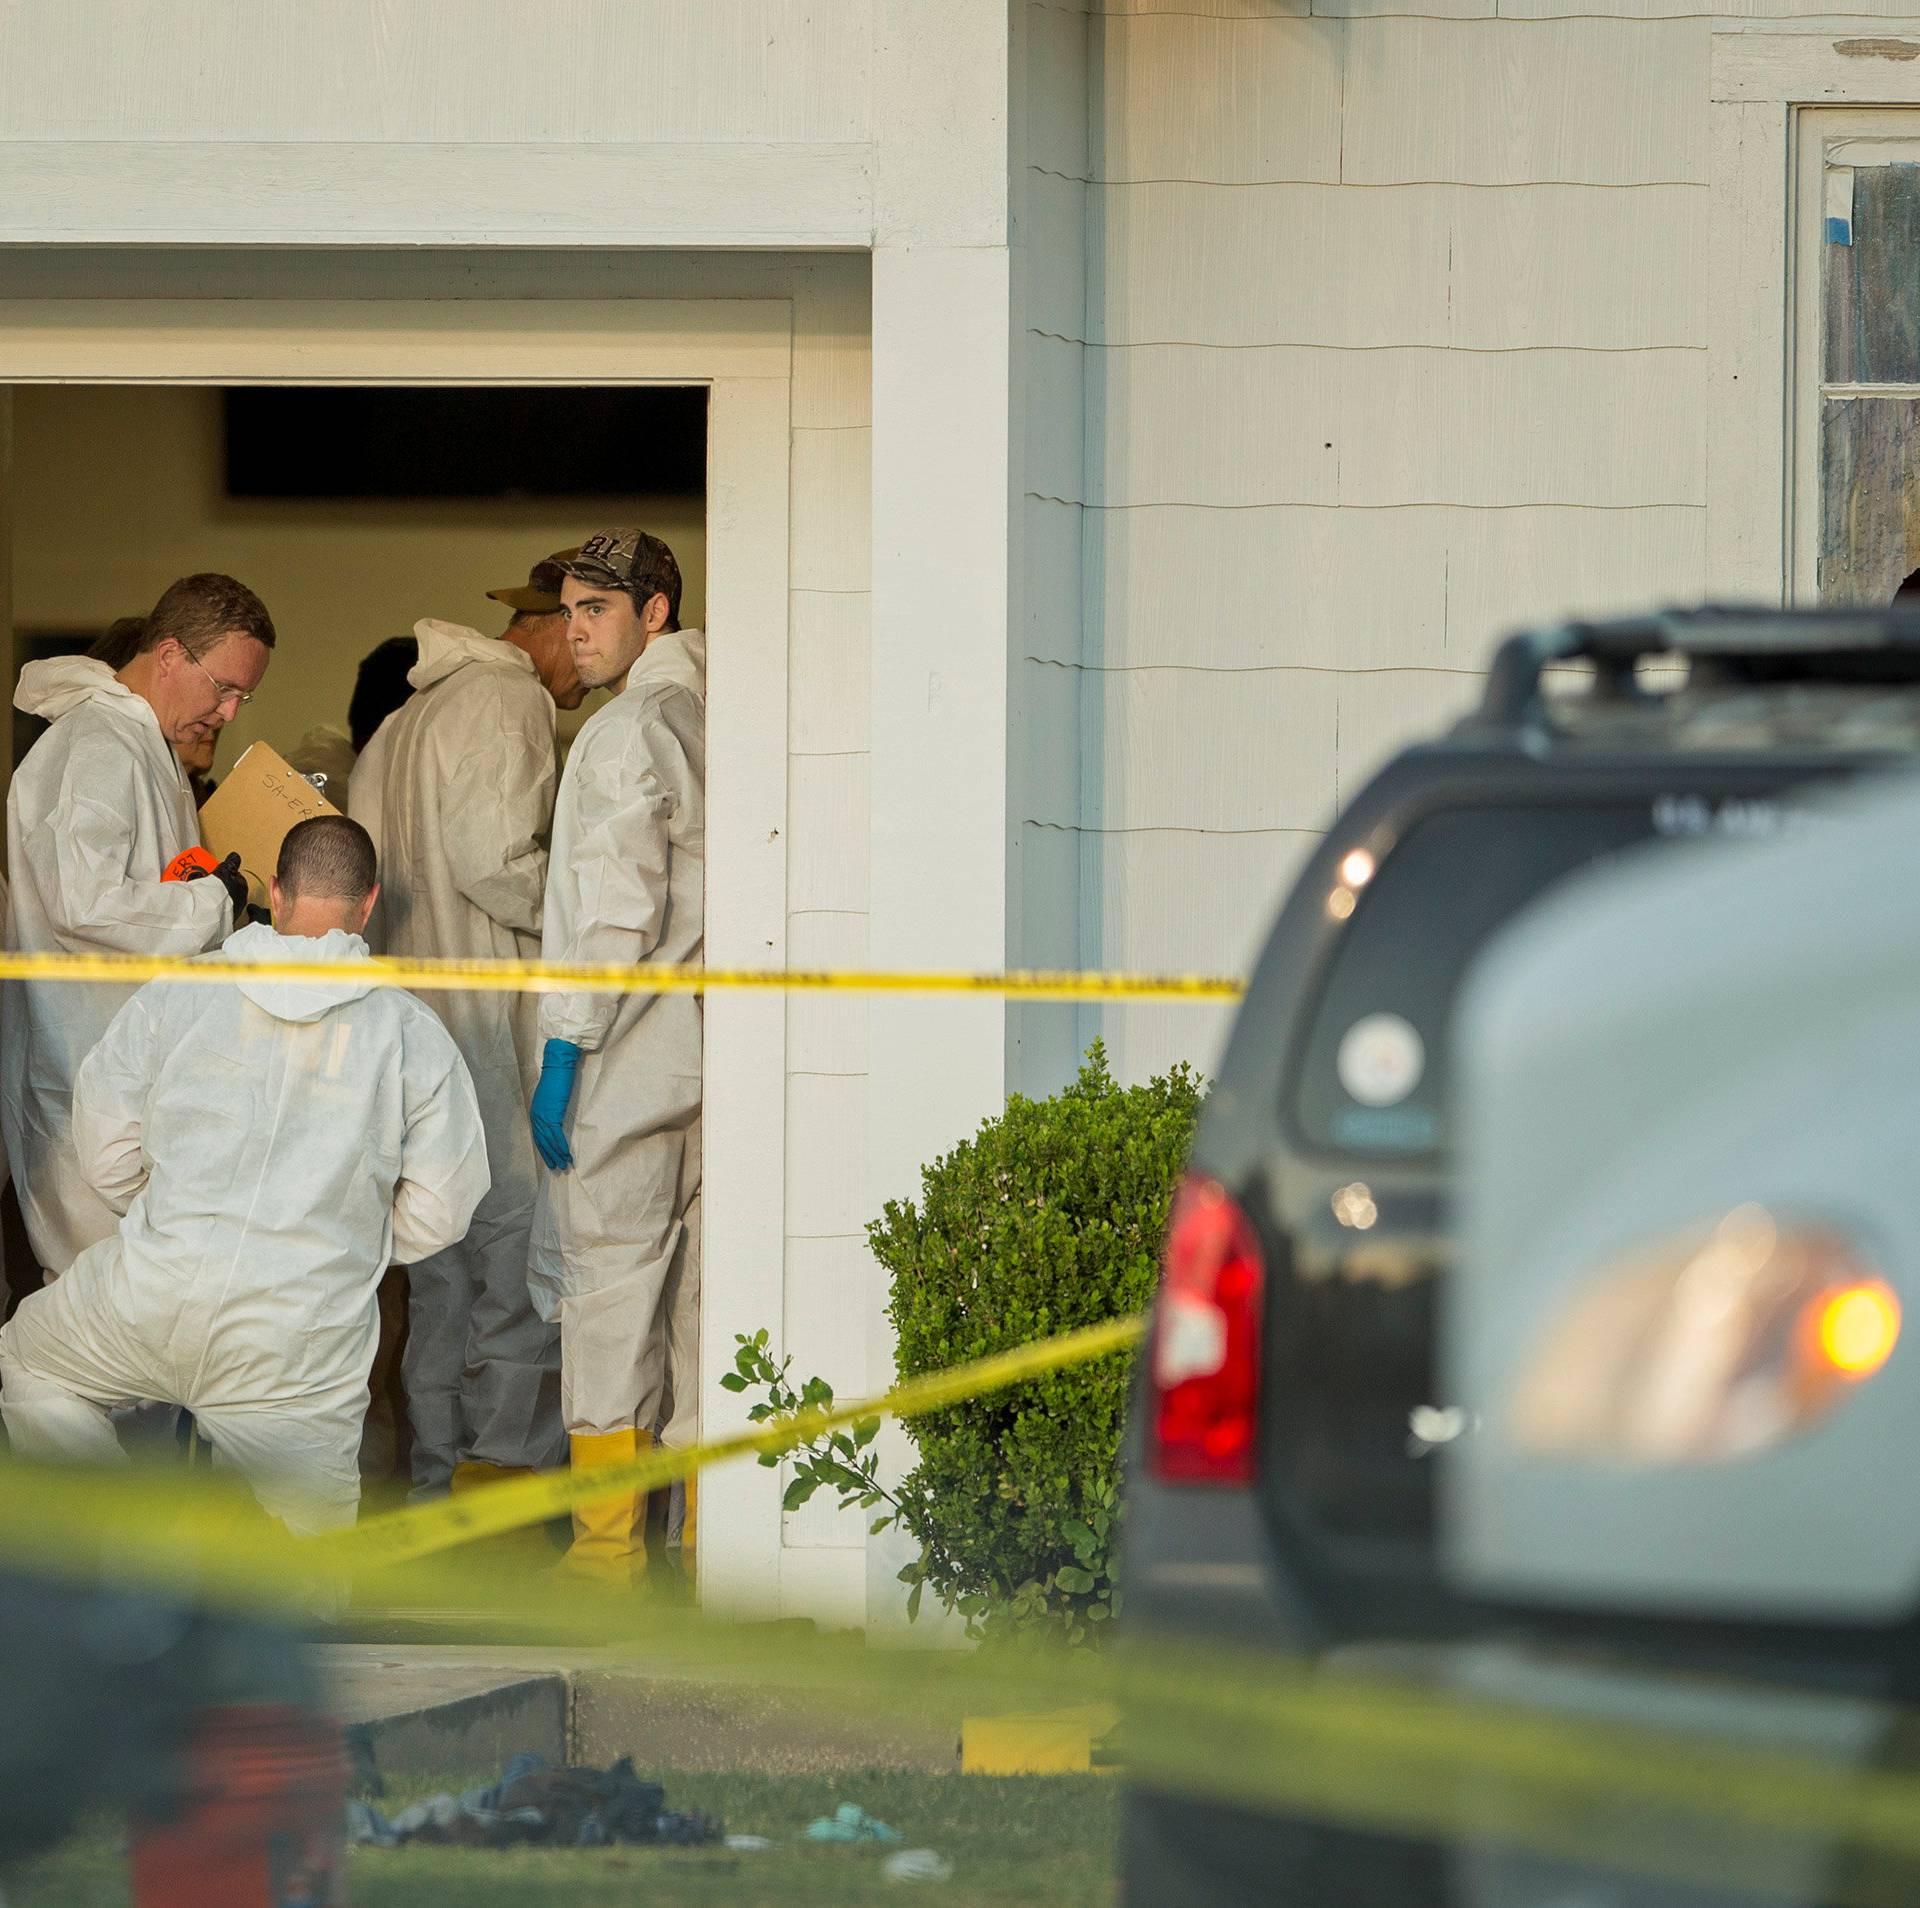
1870 370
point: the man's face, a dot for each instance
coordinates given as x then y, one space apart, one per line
605 630
196 697
546 641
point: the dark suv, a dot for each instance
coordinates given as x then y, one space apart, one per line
1288 1423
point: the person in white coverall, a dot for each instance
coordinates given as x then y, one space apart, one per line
616 1113
96 812
270 1144
466 803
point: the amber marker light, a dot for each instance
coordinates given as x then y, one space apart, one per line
1856 1327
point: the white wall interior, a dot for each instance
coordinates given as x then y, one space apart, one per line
1396 338
121 488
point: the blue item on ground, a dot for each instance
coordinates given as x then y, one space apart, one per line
851 1823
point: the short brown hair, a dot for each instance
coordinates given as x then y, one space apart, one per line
198 610
328 857
120 643
655 573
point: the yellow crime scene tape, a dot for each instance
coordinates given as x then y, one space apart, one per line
210 1542
1222 1725
401 1536
559 977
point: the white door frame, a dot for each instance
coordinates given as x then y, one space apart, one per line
742 350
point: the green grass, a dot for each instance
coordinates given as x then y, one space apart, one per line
1012 1841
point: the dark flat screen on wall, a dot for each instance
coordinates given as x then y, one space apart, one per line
466 441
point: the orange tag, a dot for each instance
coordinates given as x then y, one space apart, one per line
187 863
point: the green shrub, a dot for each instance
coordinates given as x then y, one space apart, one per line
1050 1217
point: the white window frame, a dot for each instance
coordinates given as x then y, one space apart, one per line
1773 89
742 350
1815 129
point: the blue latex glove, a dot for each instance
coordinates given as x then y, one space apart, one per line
551 1098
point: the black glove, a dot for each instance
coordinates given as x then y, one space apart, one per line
235 883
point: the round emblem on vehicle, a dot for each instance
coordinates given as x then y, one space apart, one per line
1381 1060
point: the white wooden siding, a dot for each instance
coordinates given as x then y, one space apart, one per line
1050 202
1587 101
1314 425
1228 101
827 1032
458 71
1465 266
827 1284
1290 588
1397 332
594 123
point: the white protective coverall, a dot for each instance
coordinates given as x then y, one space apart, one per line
95 813
366 786
363 799
616 1240
272 1144
466 804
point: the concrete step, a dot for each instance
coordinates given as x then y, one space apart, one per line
440 1710
433 1710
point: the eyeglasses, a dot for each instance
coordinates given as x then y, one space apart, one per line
228 693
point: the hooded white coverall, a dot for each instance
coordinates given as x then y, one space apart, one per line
616 1240
465 806
271 1145
95 813
363 800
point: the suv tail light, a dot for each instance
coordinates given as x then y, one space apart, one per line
1206 1344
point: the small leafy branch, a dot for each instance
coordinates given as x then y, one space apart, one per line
844 1461
841 1460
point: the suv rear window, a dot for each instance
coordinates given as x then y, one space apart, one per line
1372 1076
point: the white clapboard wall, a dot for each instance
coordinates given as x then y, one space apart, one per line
1393 337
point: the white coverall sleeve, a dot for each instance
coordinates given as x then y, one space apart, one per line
82 869
499 804
621 866
443 1156
109 1103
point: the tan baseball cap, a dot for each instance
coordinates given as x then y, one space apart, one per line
540 593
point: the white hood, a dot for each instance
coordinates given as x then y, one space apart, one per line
49 689
445 647
297 1000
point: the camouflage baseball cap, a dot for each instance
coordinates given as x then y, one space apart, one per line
540 593
617 557
633 561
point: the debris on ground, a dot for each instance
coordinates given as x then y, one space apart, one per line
917 1864
851 1823
535 1804
749 1844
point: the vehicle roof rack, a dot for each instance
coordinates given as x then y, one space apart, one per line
1731 646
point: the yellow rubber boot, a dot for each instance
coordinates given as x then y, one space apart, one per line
610 1536
690 1525
530 1546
